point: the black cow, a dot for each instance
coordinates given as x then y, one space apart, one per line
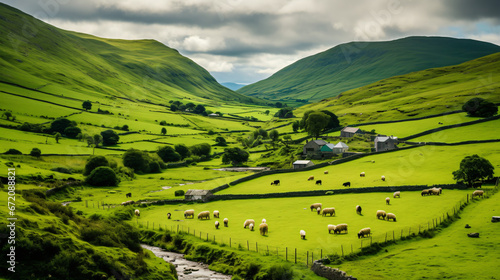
346 184
275 182
318 182
128 195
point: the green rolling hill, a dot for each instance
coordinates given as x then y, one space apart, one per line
36 55
357 64
417 94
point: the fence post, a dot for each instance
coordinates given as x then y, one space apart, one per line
229 242
307 259
467 198
177 228
322 252
147 225
393 236
286 253
207 236
248 246
256 247
342 248
386 237
295 255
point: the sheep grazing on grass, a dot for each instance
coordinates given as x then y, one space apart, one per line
425 192
216 224
339 228
204 215
315 206
331 228
364 232
362 174
346 184
128 202
310 178
435 191
358 209
387 200
248 222
226 222
478 193
137 212
251 227
381 213
189 213
303 234
263 228
373 161
397 194
326 172
169 215
264 221
383 178
391 216
330 211
318 210
216 214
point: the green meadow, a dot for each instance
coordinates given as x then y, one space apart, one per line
482 131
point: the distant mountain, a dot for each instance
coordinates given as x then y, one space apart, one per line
355 64
233 86
37 55
417 94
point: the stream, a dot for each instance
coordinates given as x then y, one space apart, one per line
186 270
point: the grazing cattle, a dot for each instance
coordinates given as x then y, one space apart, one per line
275 182
318 182
362 174
169 215
440 123
310 178
128 195
346 184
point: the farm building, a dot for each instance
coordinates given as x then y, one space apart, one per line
329 148
302 163
385 143
314 146
213 115
350 131
197 194
341 147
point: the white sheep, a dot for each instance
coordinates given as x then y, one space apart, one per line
381 213
358 209
216 214
204 215
425 192
251 227
340 227
263 228
397 194
362 174
330 211
383 178
315 206
248 222
226 221
326 172
216 224
303 234
387 200
478 193
363 232
331 228
189 213
310 178
318 210
137 212
264 221
434 191
391 216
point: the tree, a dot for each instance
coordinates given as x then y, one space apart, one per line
136 160
479 107
96 140
102 176
295 126
57 136
235 156
190 106
274 135
93 163
163 131
278 105
125 127
199 109
183 150
87 105
35 152
174 108
286 112
60 125
315 123
72 131
13 152
473 168
267 112
202 149
7 115
109 137
333 122
168 154
221 141
262 132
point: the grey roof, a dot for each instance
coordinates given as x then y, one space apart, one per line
320 142
341 145
330 145
197 192
384 138
350 129
302 162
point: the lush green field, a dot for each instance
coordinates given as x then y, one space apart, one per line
449 255
481 131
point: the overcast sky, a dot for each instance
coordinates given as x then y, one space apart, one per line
244 41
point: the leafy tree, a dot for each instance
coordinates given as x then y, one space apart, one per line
163 131
125 127
333 122
163 122
262 132
96 140
102 176
13 152
168 154
278 105
154 167
183 150
72 131
315 123
479 107
235 156
87 105
199 109
7 115
136 160
267 112
287 137
35 152
221 141
109 137
80 137
94 162
295 126
174 107
190 106
473 168
202 149
57 136
60 125
274 135
286 112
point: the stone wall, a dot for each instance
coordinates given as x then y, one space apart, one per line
330 272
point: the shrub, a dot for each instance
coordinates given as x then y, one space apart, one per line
154 167
168 154
179 193
183 150
479 107
109 137
72 131
13 152
94 162
61 170
60 125
102 176
35 152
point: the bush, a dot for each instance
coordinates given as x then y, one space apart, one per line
72 132
109 137
179 193
94 162
154 167
35 152
168 154
479 107
61 170
136 160
183 150
13 152
102 176
60 125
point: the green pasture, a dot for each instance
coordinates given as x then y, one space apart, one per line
21 105
448 255
215 123
425 165
25 166
480 131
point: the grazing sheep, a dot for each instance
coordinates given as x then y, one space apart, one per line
339 228
310 178
331 228
275 182
264 221
425 192
434 191
226 222
363 232
318 210
397 194
216 214
362 174
315 206
128 202
387 201
128 195
251 227
137 212
330 211
383 178
358 209
318 182
248 222
303 234
263 228
189 213
216 224
381 213
204 214
326 172
478 193
346 184
169 215
391 216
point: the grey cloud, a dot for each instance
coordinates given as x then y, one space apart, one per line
472 9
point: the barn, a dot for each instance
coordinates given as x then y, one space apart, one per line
197 194
302 163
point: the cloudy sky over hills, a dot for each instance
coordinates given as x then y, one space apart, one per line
246 41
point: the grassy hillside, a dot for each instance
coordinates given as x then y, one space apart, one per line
356 64
37 55
417 94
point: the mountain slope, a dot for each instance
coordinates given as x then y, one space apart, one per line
233 86
356 64
417 94
37 55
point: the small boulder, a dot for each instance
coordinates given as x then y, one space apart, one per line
467 226
474 234
495 219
